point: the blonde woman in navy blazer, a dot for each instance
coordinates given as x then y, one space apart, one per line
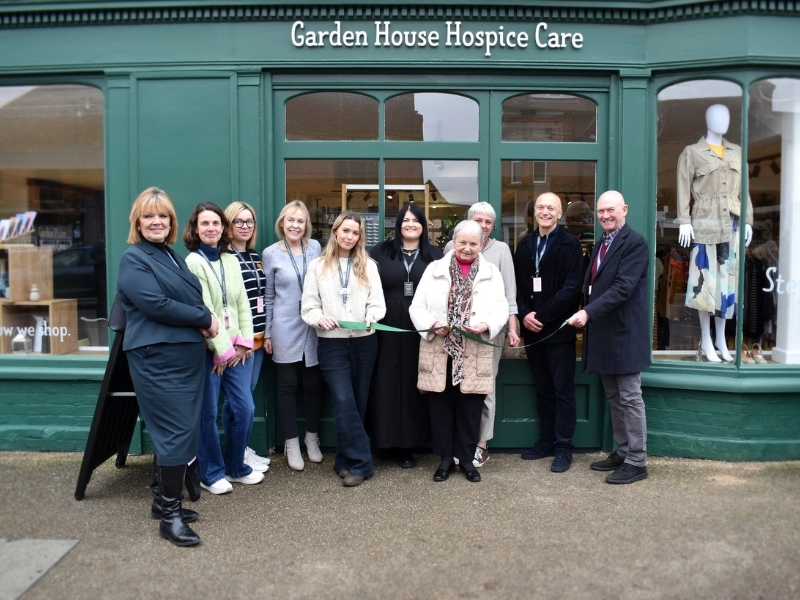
167 323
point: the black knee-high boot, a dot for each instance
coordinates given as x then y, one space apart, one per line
193 481
173 526
189 515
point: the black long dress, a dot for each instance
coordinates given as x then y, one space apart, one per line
397 414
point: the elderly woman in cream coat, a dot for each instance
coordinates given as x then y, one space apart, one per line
462 289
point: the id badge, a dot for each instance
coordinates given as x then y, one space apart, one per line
260 304
226 318
408 289
537 284
346 315
345 291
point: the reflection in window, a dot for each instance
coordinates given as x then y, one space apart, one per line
332 116
52 220
325 185
444 188
524 180
772 261
432 117
698 191
549 118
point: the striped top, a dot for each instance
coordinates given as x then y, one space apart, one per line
252 271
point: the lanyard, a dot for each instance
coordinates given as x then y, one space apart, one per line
540 253
253 268
410 266
344 282
294 264
220 281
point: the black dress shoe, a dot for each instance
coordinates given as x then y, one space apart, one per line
405 460
471 473
612 463
627 473
443 474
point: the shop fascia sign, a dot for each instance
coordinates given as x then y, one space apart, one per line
450 35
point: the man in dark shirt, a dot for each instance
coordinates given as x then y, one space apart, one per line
549 272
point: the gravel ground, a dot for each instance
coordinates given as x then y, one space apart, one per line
694 529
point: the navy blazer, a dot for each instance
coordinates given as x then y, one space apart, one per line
561 272
163 301
616 338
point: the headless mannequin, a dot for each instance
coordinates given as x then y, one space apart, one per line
718 119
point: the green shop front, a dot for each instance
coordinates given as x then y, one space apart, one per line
369 106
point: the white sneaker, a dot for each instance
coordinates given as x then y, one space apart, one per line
218 487
250 455
455 460
255 464
254 477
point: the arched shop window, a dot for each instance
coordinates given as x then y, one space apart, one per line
432 117
548 118
727 286
332 116
771 307
52 220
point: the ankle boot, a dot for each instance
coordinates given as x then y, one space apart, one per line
312 447
173 527
189 516
293 456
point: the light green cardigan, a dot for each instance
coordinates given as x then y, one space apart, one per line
240 331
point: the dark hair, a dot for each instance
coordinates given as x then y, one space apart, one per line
190 238
394 247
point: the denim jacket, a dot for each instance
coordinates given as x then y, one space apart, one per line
712 186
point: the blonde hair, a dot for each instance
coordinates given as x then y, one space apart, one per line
152 199
233 209
293 205
359 256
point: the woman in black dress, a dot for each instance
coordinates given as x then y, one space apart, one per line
397 414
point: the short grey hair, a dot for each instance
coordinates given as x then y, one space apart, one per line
481 208
470 227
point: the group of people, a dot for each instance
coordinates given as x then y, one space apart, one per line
199 325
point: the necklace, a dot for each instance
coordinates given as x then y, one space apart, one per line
411 252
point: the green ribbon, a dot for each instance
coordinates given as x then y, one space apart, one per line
381 327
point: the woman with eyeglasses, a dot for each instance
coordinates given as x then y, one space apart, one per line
343 285
244 235
292 343
499 254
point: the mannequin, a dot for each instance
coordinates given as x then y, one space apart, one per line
709 178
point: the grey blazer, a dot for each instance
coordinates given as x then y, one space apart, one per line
163 301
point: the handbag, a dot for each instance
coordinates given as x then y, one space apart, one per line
117 320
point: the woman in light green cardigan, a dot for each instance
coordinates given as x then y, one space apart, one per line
207 237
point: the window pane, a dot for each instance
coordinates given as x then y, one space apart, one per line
323 184
698 194
549 118
52 220
332 116
452 187
524 180
432 117
771 312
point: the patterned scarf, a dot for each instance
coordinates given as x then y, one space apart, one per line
458 304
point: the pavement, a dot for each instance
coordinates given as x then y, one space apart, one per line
694 529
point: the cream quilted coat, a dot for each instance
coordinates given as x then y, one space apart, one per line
489 305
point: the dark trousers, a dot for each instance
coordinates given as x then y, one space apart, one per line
347 365
455 421
553 367
287 374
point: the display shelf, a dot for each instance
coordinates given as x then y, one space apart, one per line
28 265
61 334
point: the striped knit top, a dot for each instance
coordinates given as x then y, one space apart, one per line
253 274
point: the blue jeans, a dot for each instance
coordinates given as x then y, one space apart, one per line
237 421
255 367
347 365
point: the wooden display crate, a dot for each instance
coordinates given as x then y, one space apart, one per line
28 265
62 321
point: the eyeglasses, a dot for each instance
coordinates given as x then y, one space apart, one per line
241 223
